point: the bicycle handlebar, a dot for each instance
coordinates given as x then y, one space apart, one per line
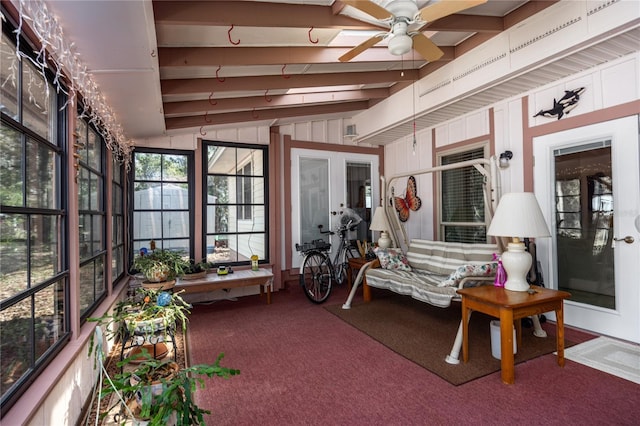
342 228
330 232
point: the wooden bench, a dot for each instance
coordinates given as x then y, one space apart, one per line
243 278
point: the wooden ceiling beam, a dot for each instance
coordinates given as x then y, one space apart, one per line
253 14
262 114
176 109
233 56
208 85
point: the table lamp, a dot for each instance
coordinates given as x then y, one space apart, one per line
379 223
518 216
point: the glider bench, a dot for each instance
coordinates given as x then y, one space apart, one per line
432 272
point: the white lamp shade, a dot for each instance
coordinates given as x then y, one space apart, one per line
518 216
379 221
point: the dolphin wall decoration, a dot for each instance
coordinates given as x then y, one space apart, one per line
568 102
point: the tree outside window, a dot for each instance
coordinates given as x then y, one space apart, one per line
34 275
162 201
235 203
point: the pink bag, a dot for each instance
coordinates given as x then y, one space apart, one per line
501 274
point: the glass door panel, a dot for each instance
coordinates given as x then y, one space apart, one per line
314 198
584 221
359 197
323 185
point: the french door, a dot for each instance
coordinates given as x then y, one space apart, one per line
588 184
326 185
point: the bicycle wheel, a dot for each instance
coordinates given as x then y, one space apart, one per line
342 265
316 277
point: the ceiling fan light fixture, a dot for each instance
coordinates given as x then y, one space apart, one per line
400 44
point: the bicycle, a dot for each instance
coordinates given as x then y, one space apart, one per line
318 270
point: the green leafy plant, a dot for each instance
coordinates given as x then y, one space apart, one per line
196 267
161 265
161 388
147 313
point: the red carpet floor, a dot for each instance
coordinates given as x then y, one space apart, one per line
301 365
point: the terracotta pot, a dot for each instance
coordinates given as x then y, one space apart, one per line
135 355
155 388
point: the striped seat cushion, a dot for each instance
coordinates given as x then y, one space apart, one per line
433 263
420 285
443 258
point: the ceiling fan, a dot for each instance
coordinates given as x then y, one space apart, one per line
400 16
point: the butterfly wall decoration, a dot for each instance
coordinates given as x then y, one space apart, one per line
411 201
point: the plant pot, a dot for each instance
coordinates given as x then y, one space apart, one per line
151 390
157 274
195 275
135 355
147 334
145 327
164 285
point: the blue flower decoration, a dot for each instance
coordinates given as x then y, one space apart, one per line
164 299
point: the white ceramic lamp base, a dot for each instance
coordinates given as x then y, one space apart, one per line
516 262
384 241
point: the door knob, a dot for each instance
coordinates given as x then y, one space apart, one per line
628 239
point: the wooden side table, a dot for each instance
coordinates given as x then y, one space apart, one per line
241 278
355 263
509 306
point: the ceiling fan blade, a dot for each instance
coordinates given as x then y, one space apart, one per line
426 48
435 11
362 47
370 8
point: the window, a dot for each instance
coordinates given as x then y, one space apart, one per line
236 203
584 194
162 201
91 215
117 221
568 211
244 193
34 274
462 213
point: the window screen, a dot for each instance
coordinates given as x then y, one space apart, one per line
462 213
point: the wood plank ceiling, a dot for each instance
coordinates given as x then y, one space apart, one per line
227 62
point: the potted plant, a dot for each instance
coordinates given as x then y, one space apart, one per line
195 270
160 267
146 318
162 393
